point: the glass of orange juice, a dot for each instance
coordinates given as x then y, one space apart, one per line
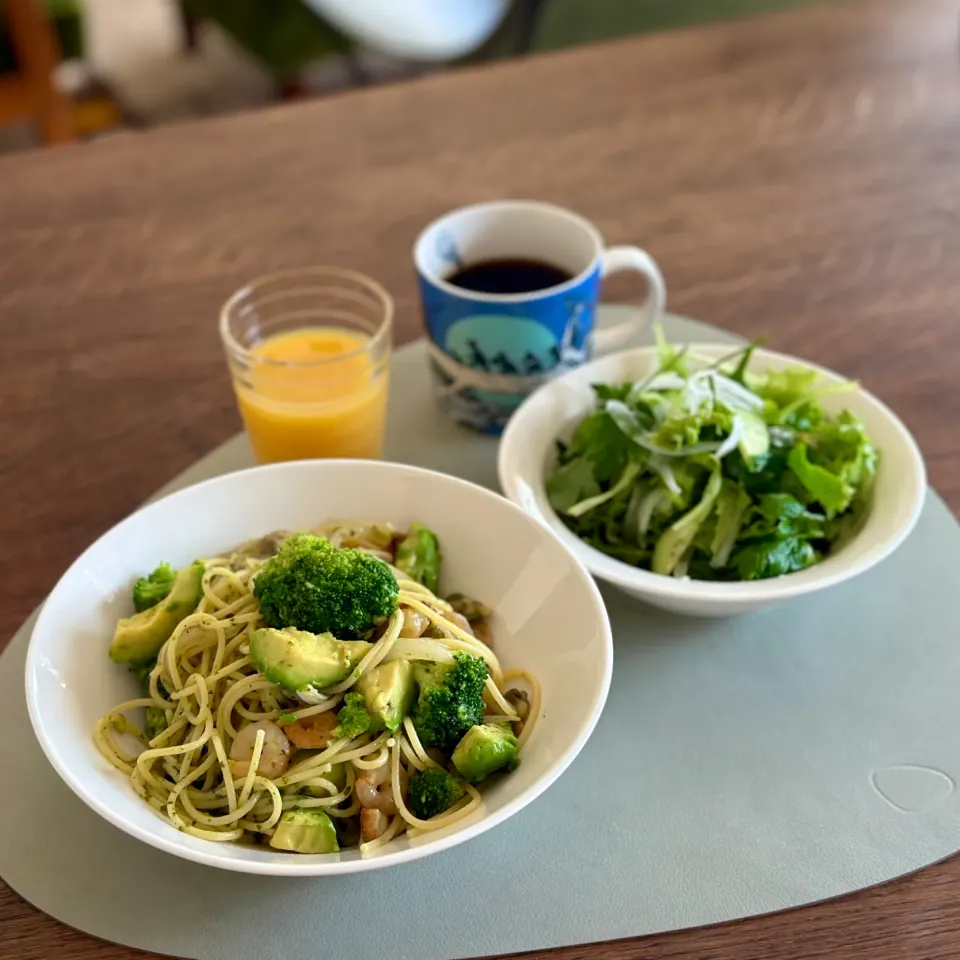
309 355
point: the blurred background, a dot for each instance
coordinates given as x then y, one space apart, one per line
80 69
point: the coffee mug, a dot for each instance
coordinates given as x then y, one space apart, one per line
489 350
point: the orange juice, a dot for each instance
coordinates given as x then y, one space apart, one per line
314 392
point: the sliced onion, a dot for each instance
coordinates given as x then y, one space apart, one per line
419 648
311 696
722 388
710 447
665 381
730 444
680 570
666 475
695 396
626 421
720 558
633 505
734 394
648 506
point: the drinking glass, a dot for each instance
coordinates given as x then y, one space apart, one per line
309 356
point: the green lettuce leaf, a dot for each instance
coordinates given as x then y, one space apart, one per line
786 387
732 504
773 558
678 538
843 447
781 515
828 489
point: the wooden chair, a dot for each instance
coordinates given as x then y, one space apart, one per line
31 93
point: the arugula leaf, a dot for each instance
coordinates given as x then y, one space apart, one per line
828 489
781 515
781 506
671 358
758 475
606 391
773 558
621 486
739 374
570 484
636 556
598 440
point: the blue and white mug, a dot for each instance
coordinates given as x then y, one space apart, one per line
488 351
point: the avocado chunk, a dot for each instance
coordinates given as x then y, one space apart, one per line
295 659
305 831
388 693
484 750
141 636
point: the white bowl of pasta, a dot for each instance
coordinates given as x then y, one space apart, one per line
251 717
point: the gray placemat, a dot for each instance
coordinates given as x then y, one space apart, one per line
741 766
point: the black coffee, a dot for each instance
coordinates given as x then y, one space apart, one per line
512 275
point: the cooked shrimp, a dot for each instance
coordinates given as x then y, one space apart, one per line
376 775
274 757
313 732
375 791
372 824
414 623
458 618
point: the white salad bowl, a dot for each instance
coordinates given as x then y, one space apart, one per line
528 453
549 618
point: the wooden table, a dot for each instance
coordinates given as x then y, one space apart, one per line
796 176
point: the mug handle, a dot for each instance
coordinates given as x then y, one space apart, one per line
616 259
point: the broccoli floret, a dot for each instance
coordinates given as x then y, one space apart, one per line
353 717
155 720
450 701
149 591
142 673
312 585
432 791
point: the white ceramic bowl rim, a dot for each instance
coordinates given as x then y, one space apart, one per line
823 574
212 853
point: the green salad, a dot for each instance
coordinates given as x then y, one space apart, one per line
712 471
